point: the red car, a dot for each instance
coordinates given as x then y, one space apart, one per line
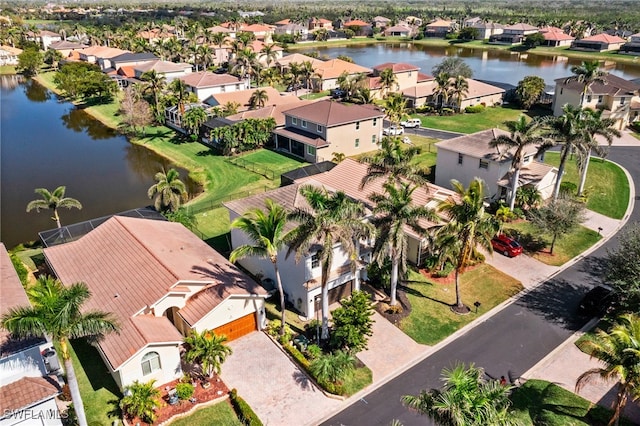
506 245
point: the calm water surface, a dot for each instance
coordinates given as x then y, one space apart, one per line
46 143
494 65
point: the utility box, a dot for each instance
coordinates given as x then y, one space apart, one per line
51 361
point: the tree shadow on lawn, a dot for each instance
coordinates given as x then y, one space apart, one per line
94 368
418 293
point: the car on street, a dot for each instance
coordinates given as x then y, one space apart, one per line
506 245
596 301
294 87
412 122
392 131
338 93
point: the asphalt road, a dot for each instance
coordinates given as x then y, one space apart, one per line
429 133
508 343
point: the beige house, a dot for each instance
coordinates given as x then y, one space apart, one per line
284 63
205 83
439 28
487 29
406 76
98 54
9 55
127 59
327 73
320 23
555 37
170 70
314 132
619 99
243 97
44 38
479 93
469 156
66 47
513 34
399 31
598 43
160 281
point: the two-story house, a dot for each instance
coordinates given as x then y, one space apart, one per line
487 29
598 43
43 38
314 132
284 63
65 47
98 54
439 28
513 34
618 98
9 55
316 24
469 156
127 59
406 76
160 282
301 280
170 70
632 47
328 72
206 83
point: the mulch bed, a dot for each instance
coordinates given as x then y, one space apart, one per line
216 389
392 317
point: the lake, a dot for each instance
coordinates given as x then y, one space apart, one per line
493 65
46 143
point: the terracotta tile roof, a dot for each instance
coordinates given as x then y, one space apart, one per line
396 67
374 83
333 68
605 38
614 86
557 36
64 45
25 393
275 111
257 28
204 79
356 22
162 66
551 29
129 264
298 58
257 45
381 19
287 196
477 145
319 21
439 23
48 33
521 27
476 89
398 29
424 77
219 29
243 96
102 51
330 113
283 22
126 72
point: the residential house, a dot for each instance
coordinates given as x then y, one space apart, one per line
598 43
43 38
270 111
284 63
242 98
320 23
380 22
513 34
260 31
314 132
258 45
477 94
206 83
439 28
27 390
281 22
399 31
174 114
295 30
96 54
469 156
161 282
170 70
619 99
632 47
359 27
487 29
412 20
229 32
65 47
127 59
470 22
157 35
9 55
556 37
406 76
301 280
327 73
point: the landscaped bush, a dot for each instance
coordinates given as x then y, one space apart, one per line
311 328
313 352
424 109
273 329
568 188
447 111
22 272
474 109
244 412
447 268
184 390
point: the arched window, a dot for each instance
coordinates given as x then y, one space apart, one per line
150 363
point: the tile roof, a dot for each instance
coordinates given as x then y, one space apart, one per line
477 145
604 38
398 29
102 51
204 79
333 68
424 77
307 138
396 67
64 45
275 111
128 71
381 19
130 56
556 36
257 28
25 393
298 58
551 29
243 96
331 113
319 21
439 23
356 22
488 26
530 174
162 66
476 89
521 27
614 86
129 264
12 50
219 29
285 21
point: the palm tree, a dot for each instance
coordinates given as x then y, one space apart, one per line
155 83
307 71
169 191
218 39
442 91
394 212
523 134
294 75
59 315
333 220
269 52
141 400
244 63
395 163
208 350
388 80
270 76
258 99
266 231
363 95
194 118
458 88
53 201
587 74
619 351
468 227
180 91
395 107
465 400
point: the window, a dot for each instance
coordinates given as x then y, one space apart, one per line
561 90
357 125
483 164
588 98
311 150
303 123
150 363
315 260
600 99
237 86
460 157
357 142
375 122
527 159
319 128
294 121
622 100
374 139
223 89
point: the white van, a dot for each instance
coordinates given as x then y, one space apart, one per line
412 122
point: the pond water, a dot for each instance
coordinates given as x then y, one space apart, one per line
46 143
493 65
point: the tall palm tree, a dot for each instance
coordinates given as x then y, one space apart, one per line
619 351
53 201
208 350
169 191
294 75
266 231
363 96
333 220
395 107
270 76
523 134
193 119
587 73
258 99
442 91
269 53
394 162
466 400
244 63
388 81
179 90
458 88
394 212
142 400
59 315
307 71
468 227
155 83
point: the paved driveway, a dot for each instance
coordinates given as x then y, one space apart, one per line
274 387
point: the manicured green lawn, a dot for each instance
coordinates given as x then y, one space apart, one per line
538 402
362 377
312 96
431 318
607 185
219 414
471 123
566 248
7 69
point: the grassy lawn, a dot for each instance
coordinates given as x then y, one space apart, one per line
219 414
312 96
607 185
272 307
362 377
538 402
431 320
470 123
7 69
566 248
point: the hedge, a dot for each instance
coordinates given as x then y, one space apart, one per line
244 412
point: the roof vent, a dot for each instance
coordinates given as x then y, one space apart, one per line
115 296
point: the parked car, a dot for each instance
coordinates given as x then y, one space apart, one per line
338 93
596 301
294 87
412 122
392 131
506 245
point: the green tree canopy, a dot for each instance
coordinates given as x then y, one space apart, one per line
529 90
208 350
352 323
30 61
623 269
558 218
168 192
453 66
81 80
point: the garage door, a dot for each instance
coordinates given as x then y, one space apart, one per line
238 328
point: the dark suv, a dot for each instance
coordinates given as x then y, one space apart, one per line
596 302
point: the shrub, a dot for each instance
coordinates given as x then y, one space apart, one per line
244 412
568 188
295 353
430 262
313 352
333 368
447 268
352 323
380 275
424 109
518 212
184 390
447 111
273 329
21 270
310 329
474 109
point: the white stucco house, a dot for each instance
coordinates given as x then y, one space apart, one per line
160 281
469 156
206 83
